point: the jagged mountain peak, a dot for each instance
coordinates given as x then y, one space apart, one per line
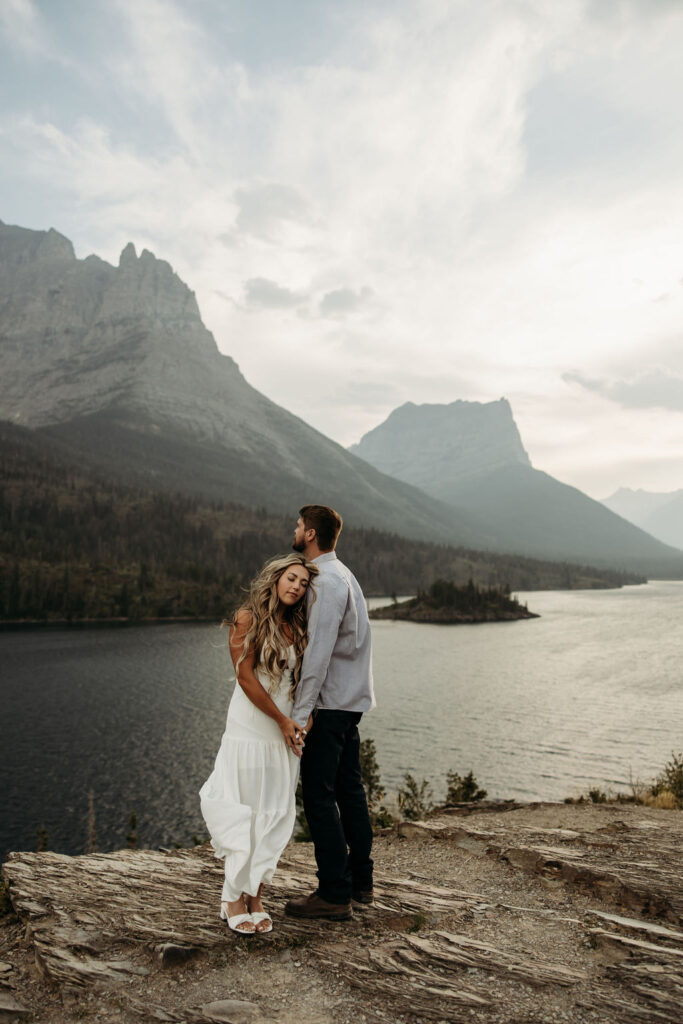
80 336
129 256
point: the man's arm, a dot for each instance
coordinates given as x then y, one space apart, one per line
324 618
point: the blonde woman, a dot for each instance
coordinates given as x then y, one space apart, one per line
248 801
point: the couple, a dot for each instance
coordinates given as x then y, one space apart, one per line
301 650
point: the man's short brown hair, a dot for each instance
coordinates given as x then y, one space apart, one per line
325 521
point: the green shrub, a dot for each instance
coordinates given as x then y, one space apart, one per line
380 815
415 801
463 789
671 778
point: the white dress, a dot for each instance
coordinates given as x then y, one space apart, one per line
248 801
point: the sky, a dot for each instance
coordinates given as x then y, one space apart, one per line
382 201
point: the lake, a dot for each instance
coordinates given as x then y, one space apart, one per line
589 694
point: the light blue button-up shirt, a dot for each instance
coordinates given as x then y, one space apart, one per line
336 672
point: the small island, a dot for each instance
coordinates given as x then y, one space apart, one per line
449 604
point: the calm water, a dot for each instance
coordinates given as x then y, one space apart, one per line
591 693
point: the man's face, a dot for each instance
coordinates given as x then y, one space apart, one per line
299 541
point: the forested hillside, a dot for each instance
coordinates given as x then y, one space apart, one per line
76 546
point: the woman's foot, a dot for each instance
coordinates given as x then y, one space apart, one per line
262 920
237 914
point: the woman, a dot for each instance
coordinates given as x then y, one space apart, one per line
248 801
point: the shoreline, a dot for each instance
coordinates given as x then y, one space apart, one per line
18 625
11 625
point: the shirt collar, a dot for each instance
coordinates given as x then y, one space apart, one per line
327 556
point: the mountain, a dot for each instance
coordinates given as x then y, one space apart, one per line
661 514
440 446
115 367
115 364
470 455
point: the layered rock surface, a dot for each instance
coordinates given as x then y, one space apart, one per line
537 913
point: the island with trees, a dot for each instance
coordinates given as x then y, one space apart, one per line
444 602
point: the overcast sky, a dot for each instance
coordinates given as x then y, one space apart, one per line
379 201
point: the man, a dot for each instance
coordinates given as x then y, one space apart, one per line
336 687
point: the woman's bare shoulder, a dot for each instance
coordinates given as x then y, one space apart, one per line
242 620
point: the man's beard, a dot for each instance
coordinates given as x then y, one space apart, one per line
299 546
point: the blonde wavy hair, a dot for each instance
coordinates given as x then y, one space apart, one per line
271 647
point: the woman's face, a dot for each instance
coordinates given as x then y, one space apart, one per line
292 585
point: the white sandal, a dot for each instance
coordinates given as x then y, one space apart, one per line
260 915
236 920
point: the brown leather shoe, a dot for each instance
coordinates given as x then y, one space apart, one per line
314 906
363 896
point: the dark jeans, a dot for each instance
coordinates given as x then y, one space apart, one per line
335 805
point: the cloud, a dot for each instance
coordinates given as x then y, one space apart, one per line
263 208
164 64
341 301
368 395
502 174
260 293
656 389
20 23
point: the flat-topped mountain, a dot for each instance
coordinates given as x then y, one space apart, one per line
661 514
436 446
471 455
116 364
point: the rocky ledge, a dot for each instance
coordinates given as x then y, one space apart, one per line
540 913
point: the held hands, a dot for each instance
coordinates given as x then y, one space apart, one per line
294 735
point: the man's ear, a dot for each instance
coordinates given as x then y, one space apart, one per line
309 534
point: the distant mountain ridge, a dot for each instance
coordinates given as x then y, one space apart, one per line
471 455
660 514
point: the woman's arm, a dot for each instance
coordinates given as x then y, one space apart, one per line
257 694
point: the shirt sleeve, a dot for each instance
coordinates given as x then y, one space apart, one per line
324 619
